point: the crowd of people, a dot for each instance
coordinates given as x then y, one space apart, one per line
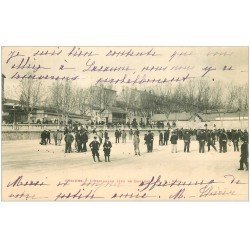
205 137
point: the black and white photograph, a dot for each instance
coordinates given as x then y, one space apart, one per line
125 123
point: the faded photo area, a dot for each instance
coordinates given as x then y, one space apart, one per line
124 123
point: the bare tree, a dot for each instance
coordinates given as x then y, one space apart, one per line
63 98
31 95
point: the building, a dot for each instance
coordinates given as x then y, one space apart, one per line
114 115
47 115
224 119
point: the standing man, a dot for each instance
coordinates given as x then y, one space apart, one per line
166 137
160 138
136 144
210 141
106 134
95 145
124 135
43 138
173 140
186 139
150 140
48 137
69 138
202 141
235 139
223 140
85 139
117 136
244 155
107 149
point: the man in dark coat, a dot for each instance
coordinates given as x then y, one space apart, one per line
95 145
223 141
202 140
150 140
186 139
166 137
235 139
48 136
244 155
106 134
173 140
78 138
117 136
69 138
245 136
160 138
107 149
43 138
85 139
210 141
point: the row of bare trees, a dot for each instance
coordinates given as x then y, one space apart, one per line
194 96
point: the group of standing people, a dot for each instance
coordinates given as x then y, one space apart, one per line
118 134
45 137
203 136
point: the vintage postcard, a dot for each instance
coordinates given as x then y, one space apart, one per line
124 123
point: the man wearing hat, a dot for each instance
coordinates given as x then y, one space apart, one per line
95 145
107 148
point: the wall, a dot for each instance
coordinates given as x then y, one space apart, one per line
20 135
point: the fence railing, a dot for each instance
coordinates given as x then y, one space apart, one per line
53 127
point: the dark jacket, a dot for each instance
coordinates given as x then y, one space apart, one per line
161 136
85 137
106 135
244 150
117 134
202 137
174 139
186 137
166 135
94 145
69 138
235 136
150 138
223 137
107 145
